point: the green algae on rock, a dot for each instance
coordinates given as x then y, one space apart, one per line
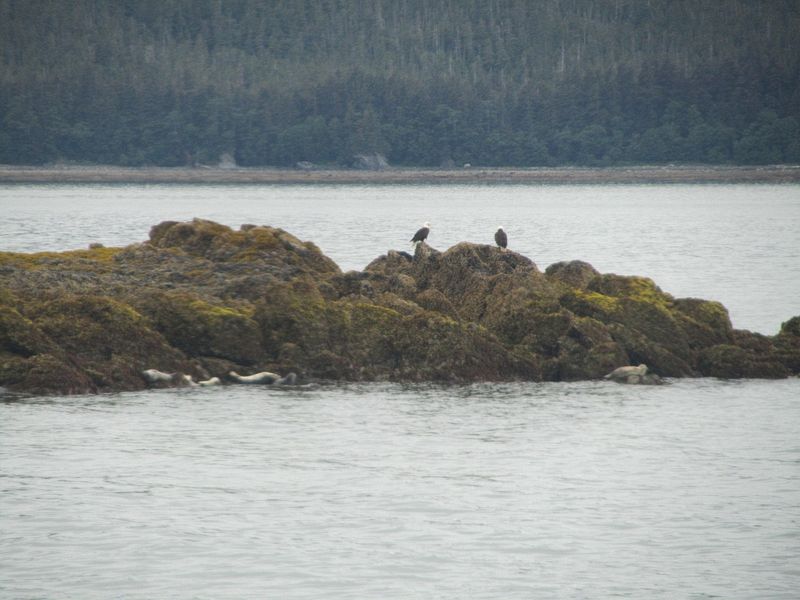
204 299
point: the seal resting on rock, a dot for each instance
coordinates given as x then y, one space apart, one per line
634 375
212 381
156 376
623 373
264 377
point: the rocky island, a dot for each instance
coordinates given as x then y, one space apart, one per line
203 299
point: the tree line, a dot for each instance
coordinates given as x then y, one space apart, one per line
426 83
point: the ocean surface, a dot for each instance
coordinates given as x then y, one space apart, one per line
529 490
580 490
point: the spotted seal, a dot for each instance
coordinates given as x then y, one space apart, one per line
623 374
264 377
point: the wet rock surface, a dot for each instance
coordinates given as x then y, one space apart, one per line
203 299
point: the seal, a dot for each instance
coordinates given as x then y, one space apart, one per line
156 376
178 379
264 377
208 382
624 374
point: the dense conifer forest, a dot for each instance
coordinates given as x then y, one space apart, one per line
424 82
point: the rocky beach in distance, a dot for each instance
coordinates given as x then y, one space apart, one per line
394 175
203 299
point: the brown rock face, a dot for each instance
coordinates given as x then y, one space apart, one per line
251 244
574 274
202 299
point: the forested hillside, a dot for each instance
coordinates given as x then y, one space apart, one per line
426 82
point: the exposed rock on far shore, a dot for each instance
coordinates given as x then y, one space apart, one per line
370 162
204 299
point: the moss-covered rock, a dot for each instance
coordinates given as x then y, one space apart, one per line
93 259
641 349
204 299
106 340
791 328
787 345
357 340
201 329
392 262
591 304
20 337
435 301
733 362
220 243
468 273
44 374
640 305
636 288
703 322
574 274
644 321
532 325
429 347
655 322
30 361
396 303
588 351
355 284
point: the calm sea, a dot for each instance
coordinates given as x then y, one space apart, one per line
582 490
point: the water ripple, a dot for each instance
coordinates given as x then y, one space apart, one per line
484 491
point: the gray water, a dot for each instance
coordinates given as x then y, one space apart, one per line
583 490
738 244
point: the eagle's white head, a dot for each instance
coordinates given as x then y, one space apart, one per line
426 224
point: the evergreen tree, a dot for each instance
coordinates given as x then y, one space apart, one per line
503 82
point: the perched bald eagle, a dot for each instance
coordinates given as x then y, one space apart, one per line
501 238
422 234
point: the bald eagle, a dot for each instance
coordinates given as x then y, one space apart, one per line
422 233
501 238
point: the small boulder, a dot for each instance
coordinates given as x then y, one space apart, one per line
574 273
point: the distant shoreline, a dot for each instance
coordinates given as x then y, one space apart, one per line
472 175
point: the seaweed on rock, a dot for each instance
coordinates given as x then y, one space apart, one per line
204 299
